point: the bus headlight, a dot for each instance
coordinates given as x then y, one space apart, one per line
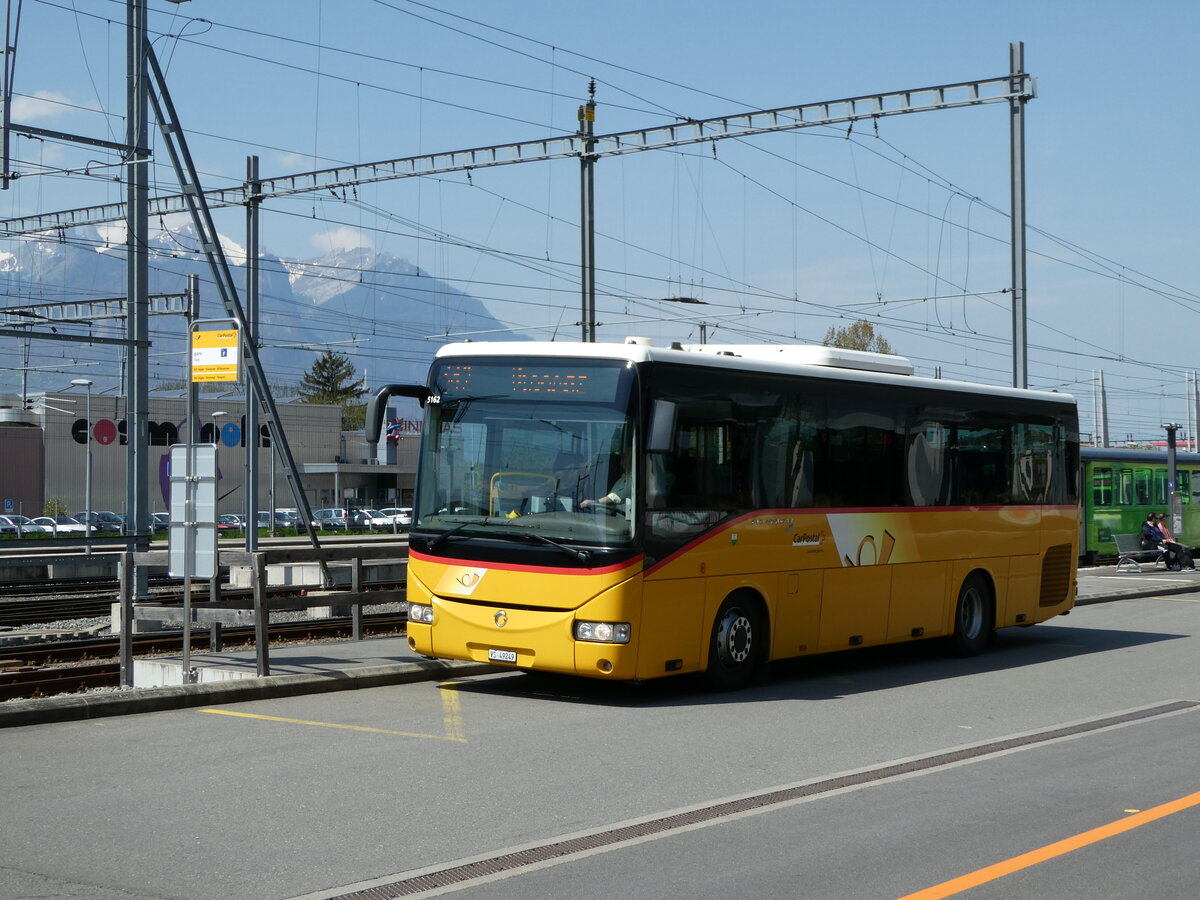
602 632
420 613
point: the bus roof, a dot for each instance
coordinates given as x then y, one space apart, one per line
811 360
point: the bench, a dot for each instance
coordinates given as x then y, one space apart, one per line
1130 550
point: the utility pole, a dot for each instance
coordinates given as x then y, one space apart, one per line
587 215
1172 480
250 432
1016 58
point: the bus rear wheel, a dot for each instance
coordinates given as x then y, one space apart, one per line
735 646
973 617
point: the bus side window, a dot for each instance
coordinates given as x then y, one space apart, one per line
982 451
928 463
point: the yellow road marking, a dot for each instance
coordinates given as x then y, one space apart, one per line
1180 599
1050 851
456 737
452 712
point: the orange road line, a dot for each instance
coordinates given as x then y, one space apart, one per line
1050 851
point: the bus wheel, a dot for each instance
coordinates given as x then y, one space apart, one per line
734 648
973 617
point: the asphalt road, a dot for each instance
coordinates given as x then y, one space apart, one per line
1060 764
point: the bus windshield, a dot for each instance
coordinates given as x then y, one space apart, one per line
529 449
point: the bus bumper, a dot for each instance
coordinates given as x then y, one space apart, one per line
521 638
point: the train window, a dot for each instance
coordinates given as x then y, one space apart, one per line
1125 487
1102 486
1142 485
1160 487
1185 486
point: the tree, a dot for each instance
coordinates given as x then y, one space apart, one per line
858 335
332 380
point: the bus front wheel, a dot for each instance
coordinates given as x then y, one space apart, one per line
734 648
973 617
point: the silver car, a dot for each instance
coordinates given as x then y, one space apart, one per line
61 524
23 525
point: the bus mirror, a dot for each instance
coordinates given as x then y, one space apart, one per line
662 427
377 406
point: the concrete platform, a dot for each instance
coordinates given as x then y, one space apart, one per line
299 659
309 574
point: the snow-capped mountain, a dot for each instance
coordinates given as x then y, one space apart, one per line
383 312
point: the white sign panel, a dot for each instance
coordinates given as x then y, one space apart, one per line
199 498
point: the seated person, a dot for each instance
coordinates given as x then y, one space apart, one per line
1154 539
619 492
1183 554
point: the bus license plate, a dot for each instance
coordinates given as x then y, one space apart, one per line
508 656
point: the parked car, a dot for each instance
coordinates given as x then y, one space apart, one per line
369 518
282 519
160 521
61 524
23 525
399 516
151 523
334 518
101 522
380 521
230 522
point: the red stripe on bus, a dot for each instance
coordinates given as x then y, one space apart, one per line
727 524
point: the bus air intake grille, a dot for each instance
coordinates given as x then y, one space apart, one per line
1056 575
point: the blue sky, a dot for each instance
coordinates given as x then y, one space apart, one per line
783 236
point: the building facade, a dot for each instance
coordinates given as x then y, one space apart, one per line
44 452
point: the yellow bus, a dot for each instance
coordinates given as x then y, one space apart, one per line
627 511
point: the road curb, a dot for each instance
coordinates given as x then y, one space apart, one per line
75 707
1135 594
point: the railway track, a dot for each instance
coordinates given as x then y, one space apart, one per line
44 670
20 612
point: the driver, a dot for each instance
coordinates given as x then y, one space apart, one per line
620 488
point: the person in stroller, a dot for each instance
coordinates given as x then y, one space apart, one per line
1182 552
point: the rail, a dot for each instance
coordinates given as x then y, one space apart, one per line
255 610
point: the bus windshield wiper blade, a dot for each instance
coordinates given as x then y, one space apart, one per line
447 534
581 555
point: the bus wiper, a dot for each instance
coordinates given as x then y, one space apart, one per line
446 534
581 555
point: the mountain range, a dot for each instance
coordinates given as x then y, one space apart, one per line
383 312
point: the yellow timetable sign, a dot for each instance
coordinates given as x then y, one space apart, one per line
215 354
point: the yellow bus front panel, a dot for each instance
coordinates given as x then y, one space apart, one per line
487 613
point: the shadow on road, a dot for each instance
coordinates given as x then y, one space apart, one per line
831 675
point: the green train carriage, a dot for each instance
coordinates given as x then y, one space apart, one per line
1119 487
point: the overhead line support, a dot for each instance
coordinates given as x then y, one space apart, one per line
570 146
